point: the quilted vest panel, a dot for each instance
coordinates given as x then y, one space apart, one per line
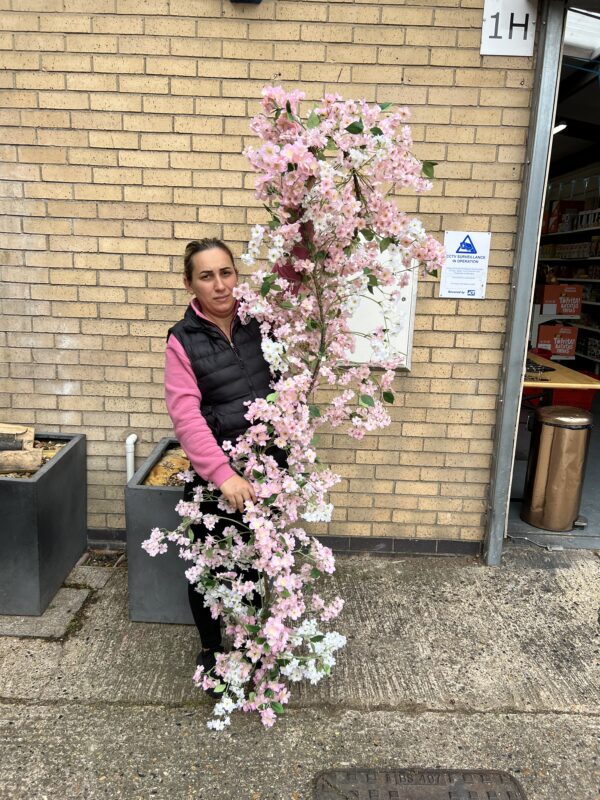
228 374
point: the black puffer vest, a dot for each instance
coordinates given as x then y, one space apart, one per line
228 374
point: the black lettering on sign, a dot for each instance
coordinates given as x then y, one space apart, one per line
496 16
513 24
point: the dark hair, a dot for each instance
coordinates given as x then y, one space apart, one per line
199 246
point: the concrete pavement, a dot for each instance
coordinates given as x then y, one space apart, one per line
449 664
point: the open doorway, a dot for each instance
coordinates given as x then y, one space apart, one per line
550 47
563 358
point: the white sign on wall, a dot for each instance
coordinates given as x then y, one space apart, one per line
464 274
368 316
508 27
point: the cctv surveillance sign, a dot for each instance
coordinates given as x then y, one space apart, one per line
508 27
464 275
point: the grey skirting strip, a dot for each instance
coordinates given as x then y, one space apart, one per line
114 539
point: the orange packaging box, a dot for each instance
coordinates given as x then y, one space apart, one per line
557 340
560 298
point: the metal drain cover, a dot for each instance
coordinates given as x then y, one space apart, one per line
416 784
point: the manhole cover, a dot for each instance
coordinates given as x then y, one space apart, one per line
416 784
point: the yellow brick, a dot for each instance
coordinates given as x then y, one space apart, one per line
515 116
407 56
284 71
407 16
38 80
45 119
85 192
39 41
92 43
431 76
120 210
19 61
121 64
375 35
92 156
458 18
116 139
515 98
293 11
511 155
117 175
167 177
115 102
96 119
121 245
118 24
422 36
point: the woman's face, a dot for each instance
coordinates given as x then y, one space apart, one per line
213 278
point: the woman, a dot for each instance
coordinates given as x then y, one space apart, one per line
214 365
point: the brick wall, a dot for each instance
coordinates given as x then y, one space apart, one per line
122 126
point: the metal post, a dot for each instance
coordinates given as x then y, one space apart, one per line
553 16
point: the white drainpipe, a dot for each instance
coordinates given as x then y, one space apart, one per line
130 455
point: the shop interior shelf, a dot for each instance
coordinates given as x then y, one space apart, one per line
562 260
590 358
564 234
587 328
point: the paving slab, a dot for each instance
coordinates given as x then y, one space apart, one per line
108 752
55 620
92 577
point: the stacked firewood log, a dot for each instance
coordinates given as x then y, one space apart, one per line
17 449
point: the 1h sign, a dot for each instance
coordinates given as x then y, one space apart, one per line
508 28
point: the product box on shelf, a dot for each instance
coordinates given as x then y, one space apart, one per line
557 339
563 215
560 298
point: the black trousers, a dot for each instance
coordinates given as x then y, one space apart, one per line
209 628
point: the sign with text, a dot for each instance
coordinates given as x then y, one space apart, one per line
508 28
464 275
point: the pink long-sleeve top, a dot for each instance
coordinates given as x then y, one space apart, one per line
183 398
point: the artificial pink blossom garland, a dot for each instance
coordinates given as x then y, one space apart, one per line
333 236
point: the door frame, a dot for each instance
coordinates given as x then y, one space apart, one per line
552 19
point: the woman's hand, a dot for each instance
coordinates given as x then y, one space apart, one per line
236 490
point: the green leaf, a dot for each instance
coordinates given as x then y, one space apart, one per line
267 285
270 500
260 477
314 411
331 145
315 573
252 628
313 120
356 127
318 638
271 398
368 234
385 243
383 106
370 289
388 397
274 224
277 707
433 273
269 693
286 593
428 167
312 324
220 688
286 304
366 401
291 167
376 131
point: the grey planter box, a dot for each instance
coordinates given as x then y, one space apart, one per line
43 528
157 585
